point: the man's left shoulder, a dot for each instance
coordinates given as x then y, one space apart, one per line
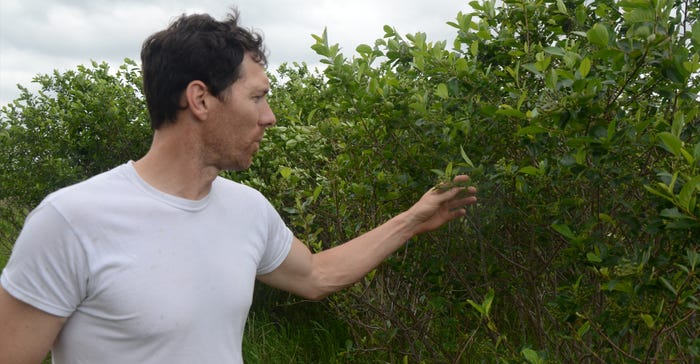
231 187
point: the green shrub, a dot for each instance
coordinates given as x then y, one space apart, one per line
578 122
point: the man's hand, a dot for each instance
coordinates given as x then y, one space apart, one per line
441 204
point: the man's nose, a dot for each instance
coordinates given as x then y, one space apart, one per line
267 117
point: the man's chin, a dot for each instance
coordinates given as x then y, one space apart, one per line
239 166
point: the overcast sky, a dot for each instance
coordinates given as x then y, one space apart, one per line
38 36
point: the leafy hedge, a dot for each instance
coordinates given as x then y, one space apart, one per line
579 121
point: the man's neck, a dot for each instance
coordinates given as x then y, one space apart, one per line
174 164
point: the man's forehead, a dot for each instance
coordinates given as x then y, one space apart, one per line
253 73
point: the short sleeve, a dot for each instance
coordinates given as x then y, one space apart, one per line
278 242
48 267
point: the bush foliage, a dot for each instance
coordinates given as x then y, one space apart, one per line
579 122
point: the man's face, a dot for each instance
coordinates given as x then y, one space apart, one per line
237 124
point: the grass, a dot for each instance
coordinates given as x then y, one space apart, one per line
295 338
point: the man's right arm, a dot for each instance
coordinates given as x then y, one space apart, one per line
314 276
26 333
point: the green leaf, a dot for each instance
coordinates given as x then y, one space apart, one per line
477 307
419 62
648 320
561 7
363 49
598 35
556 51
389 31
693 258
678 124
673 214
485 307
610 133
551 79
632 4
584 67
691 66
543 61
583 329
508 111
620 286
672 72
474 48
531 130
439 172
465 157
671 143
448 171
286 172
695 35
668 285
530 170
321 45
532 68
686 194
593 258
441 91
488 300
531 356
564 230
659 192
640 16
317 192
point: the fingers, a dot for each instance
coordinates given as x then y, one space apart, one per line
457 213
446 195
461 196
458 181
461 178
459 203
455 197
459 191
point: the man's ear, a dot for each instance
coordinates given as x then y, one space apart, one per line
198 99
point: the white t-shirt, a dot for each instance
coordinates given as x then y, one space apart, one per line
143 276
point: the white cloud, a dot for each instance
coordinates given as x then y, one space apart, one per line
38 36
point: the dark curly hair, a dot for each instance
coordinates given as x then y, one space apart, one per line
194 47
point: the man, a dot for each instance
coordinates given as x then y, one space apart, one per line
155 260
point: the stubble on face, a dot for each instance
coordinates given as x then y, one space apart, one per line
239 119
